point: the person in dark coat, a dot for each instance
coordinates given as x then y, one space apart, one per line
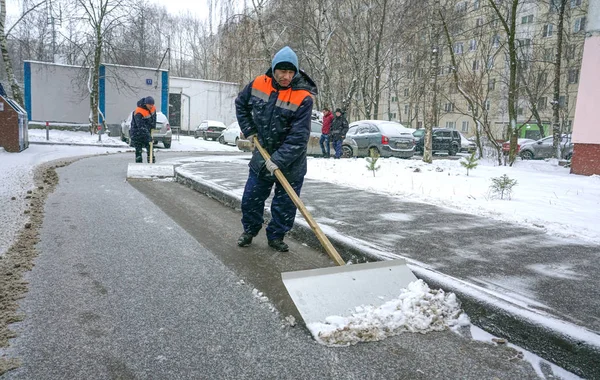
142 122
324 140
276 108
339 128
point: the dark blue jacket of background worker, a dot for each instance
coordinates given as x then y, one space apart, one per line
281 119
142 122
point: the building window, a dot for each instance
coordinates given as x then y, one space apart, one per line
419 124
547 30
449 107
409 58
473 45
479 22
561 101
452 89
476 5
542 79
573 76
575 3
496 40
520 111
571 49
527 19
542 102
406 109
492 84
406 92
579 25
461 7
392 115
525 42
475 65
465 126
458 48
487 105
490 63
555 5
394 98
549 54
451 124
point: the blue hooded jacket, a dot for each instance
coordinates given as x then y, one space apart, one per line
280 117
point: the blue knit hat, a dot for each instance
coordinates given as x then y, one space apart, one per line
283 58
149 100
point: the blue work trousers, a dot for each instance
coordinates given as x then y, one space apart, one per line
324 143
283 211
337 145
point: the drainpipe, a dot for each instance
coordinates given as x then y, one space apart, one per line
586 134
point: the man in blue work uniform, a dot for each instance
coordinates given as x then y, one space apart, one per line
275 107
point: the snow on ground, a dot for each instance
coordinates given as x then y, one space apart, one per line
546 195
178 144
417 309
16 178
16 169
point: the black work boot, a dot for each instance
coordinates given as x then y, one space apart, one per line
244 240
278 245
138 159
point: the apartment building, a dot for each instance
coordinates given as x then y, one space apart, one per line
424 86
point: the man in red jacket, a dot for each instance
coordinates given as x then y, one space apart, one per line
324 141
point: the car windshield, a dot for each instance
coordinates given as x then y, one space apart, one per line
419 133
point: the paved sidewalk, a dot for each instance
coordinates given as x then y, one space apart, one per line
539 292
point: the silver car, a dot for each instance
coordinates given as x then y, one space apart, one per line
162 133
543 148
386 138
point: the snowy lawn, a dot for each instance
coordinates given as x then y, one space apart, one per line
184 144
546 195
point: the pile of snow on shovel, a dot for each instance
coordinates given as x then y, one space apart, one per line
417 309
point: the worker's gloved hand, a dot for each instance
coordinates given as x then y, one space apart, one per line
271 167
251 139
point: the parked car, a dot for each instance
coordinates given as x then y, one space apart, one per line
231 134
162 133
209 129
544 148
520 142
466 145
386 138
442 140
313 147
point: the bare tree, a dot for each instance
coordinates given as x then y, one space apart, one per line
17 94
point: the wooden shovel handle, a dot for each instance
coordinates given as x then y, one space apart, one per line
331 251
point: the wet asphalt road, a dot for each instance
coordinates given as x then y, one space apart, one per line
144 281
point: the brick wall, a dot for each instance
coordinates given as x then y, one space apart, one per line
586 159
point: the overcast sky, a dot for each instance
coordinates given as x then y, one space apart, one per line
197 7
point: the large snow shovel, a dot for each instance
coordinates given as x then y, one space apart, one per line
320 293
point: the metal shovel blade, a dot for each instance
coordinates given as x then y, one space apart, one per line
320 293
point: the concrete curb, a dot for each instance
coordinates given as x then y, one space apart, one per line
562 343
76 144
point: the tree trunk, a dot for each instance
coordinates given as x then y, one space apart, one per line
556 132
10 74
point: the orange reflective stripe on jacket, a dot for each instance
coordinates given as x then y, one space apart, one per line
288 98
143 111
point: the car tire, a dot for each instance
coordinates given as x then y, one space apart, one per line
452 151
526 155
373 151
569 156
347 151
236 140
221 140
204 137
167 144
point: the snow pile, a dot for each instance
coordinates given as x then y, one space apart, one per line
417 309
